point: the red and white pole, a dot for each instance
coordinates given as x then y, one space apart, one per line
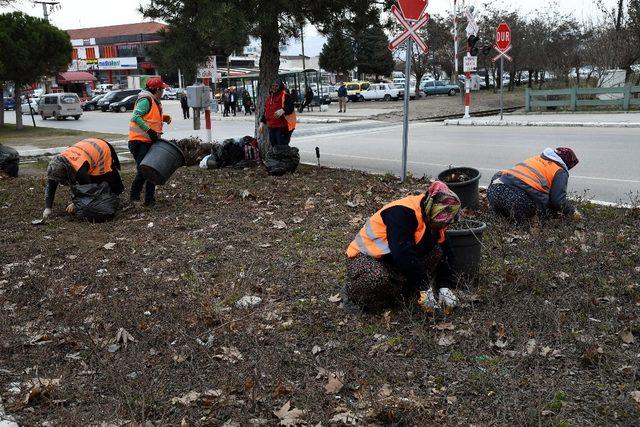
467 92
207 116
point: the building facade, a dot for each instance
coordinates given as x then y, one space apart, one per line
113 53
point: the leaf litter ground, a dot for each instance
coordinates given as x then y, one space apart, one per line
136 320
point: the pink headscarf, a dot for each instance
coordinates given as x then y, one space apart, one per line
442 205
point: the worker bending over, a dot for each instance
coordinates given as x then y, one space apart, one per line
401 253
89 161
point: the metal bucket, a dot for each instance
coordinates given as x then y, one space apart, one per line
162 160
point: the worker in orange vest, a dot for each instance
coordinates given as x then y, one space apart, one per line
535 187
91 160
401 253
145 128
279 115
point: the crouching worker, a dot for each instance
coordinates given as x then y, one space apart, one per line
89 161
535 187
401 252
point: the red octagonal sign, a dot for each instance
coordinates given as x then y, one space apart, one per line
503 36
412 9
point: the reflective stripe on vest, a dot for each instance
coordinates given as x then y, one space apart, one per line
372 238
153 119
95 152
536 172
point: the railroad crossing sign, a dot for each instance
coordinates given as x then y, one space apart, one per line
503 42
472 26
410 28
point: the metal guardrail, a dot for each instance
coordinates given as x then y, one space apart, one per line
573 98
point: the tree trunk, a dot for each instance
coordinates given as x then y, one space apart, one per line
269 65
2 107
419 76
530 83
19 125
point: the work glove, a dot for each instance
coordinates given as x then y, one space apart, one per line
71 209
153 135
447 299
261 128
167 119
427 302
46 213
577 216
279 113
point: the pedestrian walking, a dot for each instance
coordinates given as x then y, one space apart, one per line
185 106
535 187
308 98
342 98
279 115
233 100
145 128
91 160
246 102
225 103
402 253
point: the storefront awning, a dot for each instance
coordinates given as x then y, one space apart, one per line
75 77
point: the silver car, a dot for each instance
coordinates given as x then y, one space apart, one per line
60 106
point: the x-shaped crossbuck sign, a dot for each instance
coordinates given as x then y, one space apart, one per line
410 30
502 53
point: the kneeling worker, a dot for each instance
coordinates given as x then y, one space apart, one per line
89 161
401 251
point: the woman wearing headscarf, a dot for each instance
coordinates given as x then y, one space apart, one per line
534 187
91 160
402 253
279 115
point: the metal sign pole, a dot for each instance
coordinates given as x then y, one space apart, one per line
501 85
405 124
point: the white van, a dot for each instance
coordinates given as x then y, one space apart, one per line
60 106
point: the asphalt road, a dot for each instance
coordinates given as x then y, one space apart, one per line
609 168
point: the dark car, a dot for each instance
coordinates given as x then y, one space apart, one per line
126 104
9 104
92 104
115 96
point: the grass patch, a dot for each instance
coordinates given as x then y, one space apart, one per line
44 137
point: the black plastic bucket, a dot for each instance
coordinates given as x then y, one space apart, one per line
467 191
162 160
466 245
9 160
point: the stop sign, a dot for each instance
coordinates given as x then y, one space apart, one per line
503 36
412 9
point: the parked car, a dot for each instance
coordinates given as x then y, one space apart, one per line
354 89
115 96
91 104
172 93
126 104
9 103
103 88
412 90
33 102
60 106
438 87
380 91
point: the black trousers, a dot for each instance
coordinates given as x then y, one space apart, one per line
139 150
279 136
185 112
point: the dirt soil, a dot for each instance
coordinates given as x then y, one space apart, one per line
442 105
135 322
43 137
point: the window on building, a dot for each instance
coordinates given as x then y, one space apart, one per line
108 52
90 52
74 54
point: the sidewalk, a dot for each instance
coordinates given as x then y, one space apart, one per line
598 120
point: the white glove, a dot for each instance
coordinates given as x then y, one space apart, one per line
71 209
46 214
279 113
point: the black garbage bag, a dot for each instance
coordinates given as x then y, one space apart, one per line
94 202
281 159
230 153
9 160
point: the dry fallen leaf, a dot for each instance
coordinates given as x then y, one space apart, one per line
109 246
356 220
316 349
531 346
627 337
334 384
452 399
501 342
309 204
346 417
335 298
187 399
446 340
635 395
288 416
385 391
444 327
229 354
39 387
124 337
279 224
297 219
545 351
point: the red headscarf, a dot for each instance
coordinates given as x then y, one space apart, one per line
568 156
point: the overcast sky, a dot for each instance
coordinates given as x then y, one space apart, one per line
74 14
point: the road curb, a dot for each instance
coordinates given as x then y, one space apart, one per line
300 119
57 150
472 122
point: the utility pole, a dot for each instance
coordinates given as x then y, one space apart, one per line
45 7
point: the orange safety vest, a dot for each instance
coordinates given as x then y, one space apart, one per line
153 119
536 172
292 119
372 238
94 151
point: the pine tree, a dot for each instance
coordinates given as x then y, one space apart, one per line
337 54
372 53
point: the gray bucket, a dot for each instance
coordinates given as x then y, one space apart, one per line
162 160
466 245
